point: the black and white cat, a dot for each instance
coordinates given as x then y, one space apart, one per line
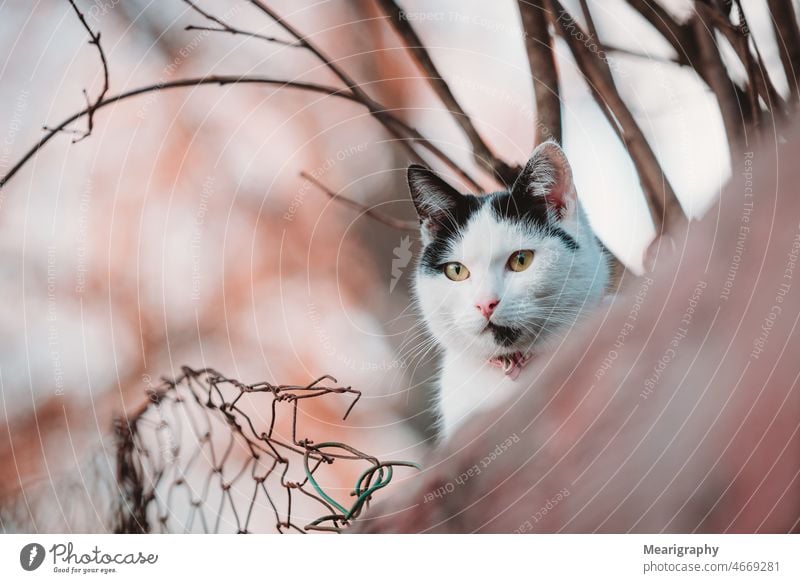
502 278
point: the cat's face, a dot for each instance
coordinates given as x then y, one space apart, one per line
503 272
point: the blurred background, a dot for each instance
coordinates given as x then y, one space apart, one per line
181 231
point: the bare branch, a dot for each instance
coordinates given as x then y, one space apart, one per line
595 39
370 212
686 43
676 34
760 84
91 106
631 53
482 153
405 134
541 59
227 28
662 201
716 76
236 31
392 124
207 15
787 37
413 134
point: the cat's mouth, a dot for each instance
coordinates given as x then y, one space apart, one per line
504 336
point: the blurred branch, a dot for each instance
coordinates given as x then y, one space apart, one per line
631 53
661 198
542 62
482 153
762 81
716 76
91 106
759 83
787 37
676 34
690 43
397 128
370 212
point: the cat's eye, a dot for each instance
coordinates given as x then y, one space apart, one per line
520 260
456 271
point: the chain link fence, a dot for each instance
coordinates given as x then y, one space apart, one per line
208 453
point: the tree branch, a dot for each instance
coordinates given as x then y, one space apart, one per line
631 53
686 44
787 37
92 105
236 31
370 212
541 60
211 80
760 84
392 124
481 152
227 28
676 34
662 201
716 76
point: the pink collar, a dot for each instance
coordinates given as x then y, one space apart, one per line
512 364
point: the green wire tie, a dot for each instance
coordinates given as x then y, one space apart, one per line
361 496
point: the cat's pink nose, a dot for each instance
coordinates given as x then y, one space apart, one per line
487 307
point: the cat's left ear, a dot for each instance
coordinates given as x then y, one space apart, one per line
548 174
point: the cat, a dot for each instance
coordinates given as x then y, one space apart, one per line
502 278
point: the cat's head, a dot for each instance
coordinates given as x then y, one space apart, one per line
503 272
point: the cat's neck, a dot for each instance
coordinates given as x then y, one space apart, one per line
469 385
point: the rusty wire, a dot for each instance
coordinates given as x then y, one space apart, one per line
170 448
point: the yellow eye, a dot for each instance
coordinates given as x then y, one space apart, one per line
520 260
456 271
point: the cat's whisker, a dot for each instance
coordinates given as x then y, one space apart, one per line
414 338
420 347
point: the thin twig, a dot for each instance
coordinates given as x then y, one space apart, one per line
91 106
404 133
542 63
370 212
392 124
227 28
236 31
482 153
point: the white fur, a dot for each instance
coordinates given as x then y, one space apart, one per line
560 282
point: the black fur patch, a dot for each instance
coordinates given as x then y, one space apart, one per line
568 241
503 335
528 209
447 228
531 210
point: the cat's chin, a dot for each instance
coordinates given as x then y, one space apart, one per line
482 347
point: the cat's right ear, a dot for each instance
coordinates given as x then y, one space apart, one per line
434 199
